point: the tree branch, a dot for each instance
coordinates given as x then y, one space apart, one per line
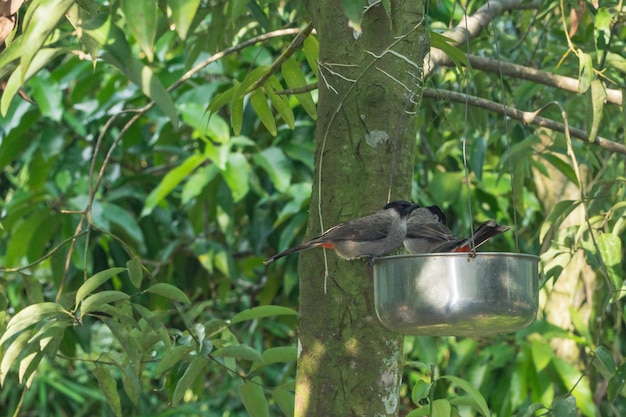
534 75
471 26
523 116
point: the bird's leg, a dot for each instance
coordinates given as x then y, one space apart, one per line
370 260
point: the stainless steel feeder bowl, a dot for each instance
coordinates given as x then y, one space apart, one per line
455 294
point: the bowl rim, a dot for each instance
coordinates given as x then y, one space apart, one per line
457 255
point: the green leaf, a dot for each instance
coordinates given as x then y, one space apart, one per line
30 315
564 407
214 127
295 78
440 408
95 281
22 235
604 363
598 96
251 79
611 251
617 383
10 54
558 214
170 181
171 358
262 312
419 391
447 45
253 398
218 130
155 320
238 8
463 400
237 175
311 49
127 339
118 54
277 165
48 95
126 223
542 354
602 27
473 392
33 288
50 335
169 291
280 102
75 15
41 18
197 181
182 16
532 410
236 109
141 19
285 400
222 99
564 166
131 383
241 352
108 386
135 272
10 354
259 103
617 61
17 79
94 302
570 376
585 71
420 412
580 324
195 368
280 354
28 365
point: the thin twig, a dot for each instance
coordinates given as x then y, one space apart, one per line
293 47
44 257
524 117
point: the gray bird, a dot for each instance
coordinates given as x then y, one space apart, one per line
427 233
369 236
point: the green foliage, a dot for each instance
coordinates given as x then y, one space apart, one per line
165 157
78 205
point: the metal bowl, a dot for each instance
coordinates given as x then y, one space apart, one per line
455 294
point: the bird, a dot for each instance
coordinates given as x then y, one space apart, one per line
427 233
370 236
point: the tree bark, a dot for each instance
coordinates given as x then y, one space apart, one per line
369 87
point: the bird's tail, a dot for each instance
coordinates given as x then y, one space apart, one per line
486 231
289 251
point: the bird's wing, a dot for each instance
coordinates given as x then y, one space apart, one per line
486 231
432 231
372 227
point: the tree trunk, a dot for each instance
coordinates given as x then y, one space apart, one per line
369 85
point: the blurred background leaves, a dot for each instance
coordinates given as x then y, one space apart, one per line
163 160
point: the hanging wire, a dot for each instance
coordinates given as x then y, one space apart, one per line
464 140
506 123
